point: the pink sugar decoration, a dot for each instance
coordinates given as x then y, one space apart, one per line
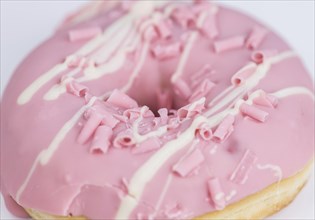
242 75
151 144
260 56
101 139
162 52
205 132
163 29
216 193
124 139
164 98
188 163
150 34
184 16
225 128
266 100
181 88
240 174
254 112
90 126
122 100
76 89
209 27
84 33
191 110
229 44
256 37
163 115
202 90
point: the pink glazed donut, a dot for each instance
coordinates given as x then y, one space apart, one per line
157 110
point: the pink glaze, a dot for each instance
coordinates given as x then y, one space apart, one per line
94 166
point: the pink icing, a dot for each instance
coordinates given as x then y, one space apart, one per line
188 163
216 193
228 44
101 139
256 37
254 112
78 182
84 34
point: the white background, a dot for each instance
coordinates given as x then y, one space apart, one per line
24 24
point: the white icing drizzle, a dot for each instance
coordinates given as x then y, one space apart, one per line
293 91
45 155
277 171
251 82
190 43
139 10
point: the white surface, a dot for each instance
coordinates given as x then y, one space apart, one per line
24 24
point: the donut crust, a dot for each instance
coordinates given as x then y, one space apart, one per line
256 206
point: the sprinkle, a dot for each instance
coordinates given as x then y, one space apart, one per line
150 34
163 115
225 128
254 112
122 100
163 52
202 90
151 144
262 55
163 29
229 44
256 37
240 174
181 88
101 139
124 139
188 163
84 33
216 193
184 17
243 74
76 89
209 26
266 100
90 126
205 132
192 109
164 98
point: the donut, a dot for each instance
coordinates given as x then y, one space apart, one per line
157 110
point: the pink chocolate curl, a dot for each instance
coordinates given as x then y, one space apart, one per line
163 29
163 115
256 37
150 34
163 52
240 174
76 89
216 193
202 90
191 110
229 44
205 132
254 112
101 139
84 33
243 74
209 26
184 17
181 88
224 130
188 163
266 100
124 139
260 56
164 98
90 126
122 100
151 144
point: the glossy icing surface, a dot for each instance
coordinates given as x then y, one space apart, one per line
237 100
